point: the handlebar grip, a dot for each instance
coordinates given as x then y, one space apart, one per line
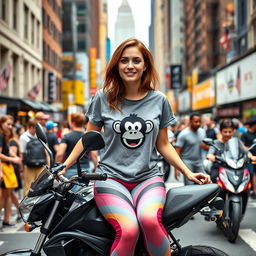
94 176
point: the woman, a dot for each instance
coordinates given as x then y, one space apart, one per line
226 132
135 117
7 156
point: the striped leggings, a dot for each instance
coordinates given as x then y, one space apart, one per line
131 207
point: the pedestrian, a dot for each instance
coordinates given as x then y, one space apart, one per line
52 138
7 174
248 138
41 118
189 146
212 132
33 155
134 117
226 132
68 142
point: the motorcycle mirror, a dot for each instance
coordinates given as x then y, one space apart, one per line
40 133
92 140
208 141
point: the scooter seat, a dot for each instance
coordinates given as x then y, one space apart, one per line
185 201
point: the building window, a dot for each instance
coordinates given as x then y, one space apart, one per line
81 9
81 28
81 45
15 8
26 17
38 34
4 10
32 29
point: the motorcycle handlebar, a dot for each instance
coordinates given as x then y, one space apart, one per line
94 176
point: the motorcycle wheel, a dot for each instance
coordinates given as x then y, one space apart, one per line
235 219
200 250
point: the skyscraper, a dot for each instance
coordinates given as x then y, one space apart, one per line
124 26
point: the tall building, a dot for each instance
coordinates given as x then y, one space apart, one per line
202 33
52 50
124 25
252 23
21 55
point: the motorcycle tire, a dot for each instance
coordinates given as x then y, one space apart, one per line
235 219
199 250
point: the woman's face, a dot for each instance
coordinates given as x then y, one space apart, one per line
7 126
131 65
226 134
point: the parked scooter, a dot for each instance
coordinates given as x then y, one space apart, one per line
71 224
234 180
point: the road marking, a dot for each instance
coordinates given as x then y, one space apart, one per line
249 236
252 204
1 243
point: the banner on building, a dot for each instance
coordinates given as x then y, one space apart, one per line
203 95
4 77
34 91
237 82
93 71
176 77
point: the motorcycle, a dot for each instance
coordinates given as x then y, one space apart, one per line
71 224
234 181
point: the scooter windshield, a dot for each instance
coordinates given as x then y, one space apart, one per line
232 149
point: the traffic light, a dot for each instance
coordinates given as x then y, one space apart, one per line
51 87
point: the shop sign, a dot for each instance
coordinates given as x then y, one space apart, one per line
172 100
93 71
237 82
3 109
184 101
228 112
203 95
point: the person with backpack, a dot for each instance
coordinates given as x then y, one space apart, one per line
33 155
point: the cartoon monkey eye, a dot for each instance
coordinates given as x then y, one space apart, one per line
128 126
137 126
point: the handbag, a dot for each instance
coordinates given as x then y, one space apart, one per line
9 176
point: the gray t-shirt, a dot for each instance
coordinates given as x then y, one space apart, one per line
130 153
190 141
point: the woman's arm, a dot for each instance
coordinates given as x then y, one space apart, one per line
171 156
78 148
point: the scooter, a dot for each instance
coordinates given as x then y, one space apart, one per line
70 223
234 181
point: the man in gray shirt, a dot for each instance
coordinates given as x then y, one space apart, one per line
189 146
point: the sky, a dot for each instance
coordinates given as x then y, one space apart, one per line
141 14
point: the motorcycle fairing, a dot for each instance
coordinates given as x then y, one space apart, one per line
61 242
187 200
83 217
19 252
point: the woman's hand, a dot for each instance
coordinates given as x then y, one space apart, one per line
199 178
16 160
211 157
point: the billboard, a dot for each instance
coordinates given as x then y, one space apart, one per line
237 82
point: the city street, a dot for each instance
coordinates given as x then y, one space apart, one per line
196 231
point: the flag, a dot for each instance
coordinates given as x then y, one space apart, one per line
225 40
33 92
4 77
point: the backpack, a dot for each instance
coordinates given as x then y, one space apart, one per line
34 155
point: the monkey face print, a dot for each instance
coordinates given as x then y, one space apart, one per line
132 130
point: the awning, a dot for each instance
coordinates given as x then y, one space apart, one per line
37 105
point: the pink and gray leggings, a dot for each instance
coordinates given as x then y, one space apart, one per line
131 207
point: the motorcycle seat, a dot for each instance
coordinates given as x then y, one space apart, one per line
182 202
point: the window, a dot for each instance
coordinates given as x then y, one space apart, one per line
81 45
81 28
26 17
38 34
32 29
3 10
15 8
81 9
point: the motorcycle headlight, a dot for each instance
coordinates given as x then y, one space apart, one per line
245 181
224 178
231 163
26 207
240 163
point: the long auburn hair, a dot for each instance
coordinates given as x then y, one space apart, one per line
3 119
113 85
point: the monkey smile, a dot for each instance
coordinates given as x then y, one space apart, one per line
133 143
